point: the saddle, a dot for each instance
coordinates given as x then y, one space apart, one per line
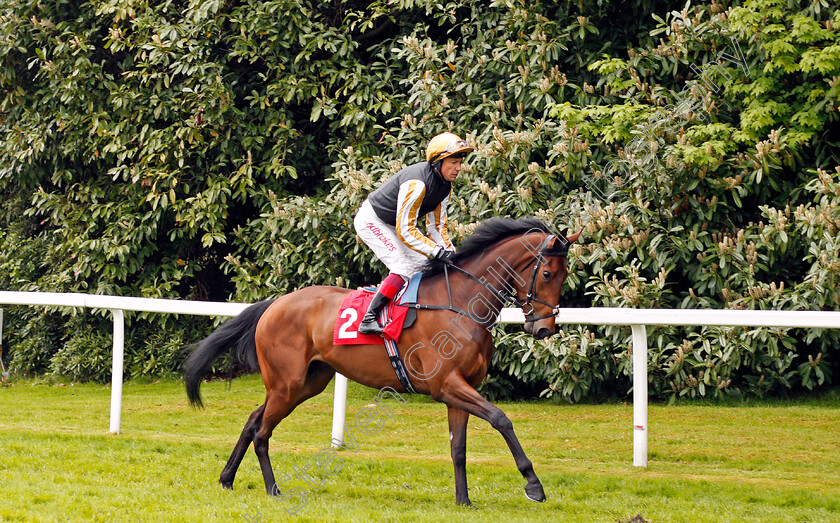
396 315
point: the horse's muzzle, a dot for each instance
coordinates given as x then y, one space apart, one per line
543 333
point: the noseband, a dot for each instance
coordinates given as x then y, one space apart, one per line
561 251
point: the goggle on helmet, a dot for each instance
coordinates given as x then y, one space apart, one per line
446 145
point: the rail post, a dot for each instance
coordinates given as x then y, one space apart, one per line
640 396
2 365
117 370
339 411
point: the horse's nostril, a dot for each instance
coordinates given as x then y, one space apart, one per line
543 333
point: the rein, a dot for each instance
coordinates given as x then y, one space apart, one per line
502 296
481 321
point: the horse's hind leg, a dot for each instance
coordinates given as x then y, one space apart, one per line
245 439
280 404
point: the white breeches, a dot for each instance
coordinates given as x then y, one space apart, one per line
386 245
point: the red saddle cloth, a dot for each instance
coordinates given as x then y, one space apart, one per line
353 308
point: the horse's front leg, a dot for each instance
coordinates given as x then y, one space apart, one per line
459 394
458 441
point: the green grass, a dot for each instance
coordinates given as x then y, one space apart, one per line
768 461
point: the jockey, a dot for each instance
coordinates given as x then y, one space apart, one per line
387 220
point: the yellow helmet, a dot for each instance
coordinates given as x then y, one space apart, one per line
445 145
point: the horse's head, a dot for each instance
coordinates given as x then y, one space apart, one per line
519 259
539 293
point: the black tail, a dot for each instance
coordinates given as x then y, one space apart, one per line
235 335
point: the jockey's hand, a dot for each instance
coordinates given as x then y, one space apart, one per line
445 256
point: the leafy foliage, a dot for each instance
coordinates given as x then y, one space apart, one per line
219 150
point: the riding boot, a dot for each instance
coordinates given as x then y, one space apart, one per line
369 324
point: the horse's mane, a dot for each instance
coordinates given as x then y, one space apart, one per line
488 233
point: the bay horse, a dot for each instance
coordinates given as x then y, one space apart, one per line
290 340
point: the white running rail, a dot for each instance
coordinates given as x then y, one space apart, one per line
118 305
637 319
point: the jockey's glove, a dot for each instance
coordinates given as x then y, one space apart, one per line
445 256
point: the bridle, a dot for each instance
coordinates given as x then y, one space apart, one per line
560 249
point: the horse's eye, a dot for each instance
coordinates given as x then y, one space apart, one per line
546 275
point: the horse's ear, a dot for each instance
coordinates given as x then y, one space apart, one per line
573 237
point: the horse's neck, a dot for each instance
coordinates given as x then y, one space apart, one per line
501 268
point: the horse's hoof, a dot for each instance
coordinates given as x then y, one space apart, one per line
467 504
535 493
227 485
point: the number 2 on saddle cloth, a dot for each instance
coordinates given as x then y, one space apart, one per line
394 317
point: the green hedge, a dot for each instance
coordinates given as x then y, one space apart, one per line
218 150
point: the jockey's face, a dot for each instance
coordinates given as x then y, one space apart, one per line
450 168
